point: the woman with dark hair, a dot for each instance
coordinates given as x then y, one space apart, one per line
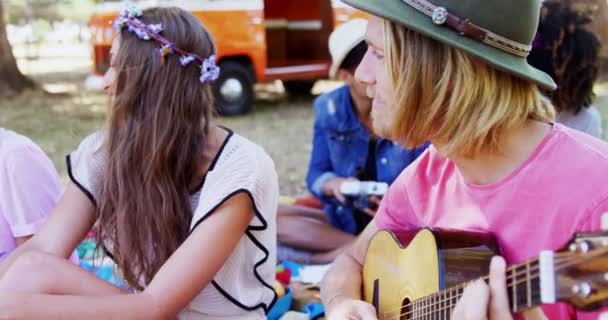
186 208
566 50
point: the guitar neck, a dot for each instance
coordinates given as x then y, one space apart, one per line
523 286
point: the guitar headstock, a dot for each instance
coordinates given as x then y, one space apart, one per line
581 272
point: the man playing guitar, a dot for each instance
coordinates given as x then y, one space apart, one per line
499 163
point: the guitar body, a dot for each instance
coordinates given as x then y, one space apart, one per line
400 268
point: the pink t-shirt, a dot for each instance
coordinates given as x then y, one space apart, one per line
29 189
560 190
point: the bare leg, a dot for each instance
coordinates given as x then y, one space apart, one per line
38 272
309 229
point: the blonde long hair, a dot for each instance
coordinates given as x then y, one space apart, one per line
447 96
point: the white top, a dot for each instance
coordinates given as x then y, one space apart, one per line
242 289
588 120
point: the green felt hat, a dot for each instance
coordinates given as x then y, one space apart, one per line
499 32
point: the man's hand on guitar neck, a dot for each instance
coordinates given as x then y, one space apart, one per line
481 301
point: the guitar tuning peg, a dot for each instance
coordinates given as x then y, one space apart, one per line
580 246
582 289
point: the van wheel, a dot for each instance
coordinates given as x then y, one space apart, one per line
299 87
234 89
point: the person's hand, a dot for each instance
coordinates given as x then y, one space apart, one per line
374 203
332 188
481 301
347 309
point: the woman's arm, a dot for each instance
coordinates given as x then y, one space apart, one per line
27 306
189 270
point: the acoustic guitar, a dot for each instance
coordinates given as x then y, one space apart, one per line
422 275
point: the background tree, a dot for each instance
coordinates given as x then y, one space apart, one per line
12 81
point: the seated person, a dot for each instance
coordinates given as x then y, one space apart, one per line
569 53
498 163
344 149
29 189
186 208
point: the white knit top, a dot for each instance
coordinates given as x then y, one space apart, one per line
242 289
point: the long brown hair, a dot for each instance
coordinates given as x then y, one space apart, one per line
158 123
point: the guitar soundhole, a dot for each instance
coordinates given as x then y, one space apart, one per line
406 311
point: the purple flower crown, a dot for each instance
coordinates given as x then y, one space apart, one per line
128 18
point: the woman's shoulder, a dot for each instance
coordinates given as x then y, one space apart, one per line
240 152
11 141
243 167
88 154
93 142
85 165
16 148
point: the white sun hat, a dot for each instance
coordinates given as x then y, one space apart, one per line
344 39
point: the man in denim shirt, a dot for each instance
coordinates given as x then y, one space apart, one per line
344 149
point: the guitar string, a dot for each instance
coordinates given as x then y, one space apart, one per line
430 308
562 256
446 307
460 286
510 276
562 265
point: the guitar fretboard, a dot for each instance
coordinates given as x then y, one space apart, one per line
523 286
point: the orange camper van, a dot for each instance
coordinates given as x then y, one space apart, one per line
257 41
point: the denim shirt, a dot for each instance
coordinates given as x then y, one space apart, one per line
340 147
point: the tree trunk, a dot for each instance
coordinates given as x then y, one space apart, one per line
12 81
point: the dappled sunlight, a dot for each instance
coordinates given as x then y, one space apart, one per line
601 103
59 88
601 88
54 65
323 86
43 59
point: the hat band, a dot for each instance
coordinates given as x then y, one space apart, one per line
441 16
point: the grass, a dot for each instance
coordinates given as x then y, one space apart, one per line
57 124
